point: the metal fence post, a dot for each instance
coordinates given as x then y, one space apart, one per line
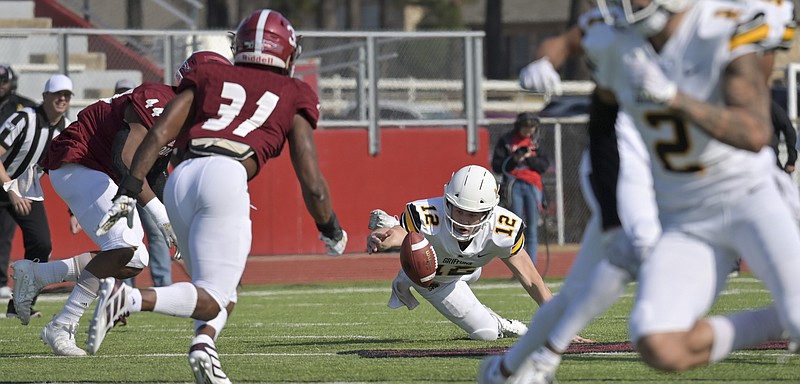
63 53
372 98
559 153
469 95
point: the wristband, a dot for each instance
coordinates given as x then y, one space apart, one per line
157 211
130 186
331 229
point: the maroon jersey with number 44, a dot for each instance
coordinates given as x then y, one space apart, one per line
247 105
89 140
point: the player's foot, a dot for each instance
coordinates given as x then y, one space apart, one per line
512 328
206 367
25 289
61 339
380 219
11 311
489 371
335 248
112 305
540 368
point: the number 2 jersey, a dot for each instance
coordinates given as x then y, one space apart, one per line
688 165
247 105
502 236
89 140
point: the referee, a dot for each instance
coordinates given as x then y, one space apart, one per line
24 138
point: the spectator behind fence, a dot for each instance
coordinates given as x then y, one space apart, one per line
10 102
24 137
519 159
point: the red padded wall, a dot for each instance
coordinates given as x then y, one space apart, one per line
413 163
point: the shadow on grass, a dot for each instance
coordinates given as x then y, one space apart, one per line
614 347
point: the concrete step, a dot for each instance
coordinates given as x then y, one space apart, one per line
90 60
36 22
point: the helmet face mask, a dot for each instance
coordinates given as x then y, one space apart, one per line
472 189
266 38
646 20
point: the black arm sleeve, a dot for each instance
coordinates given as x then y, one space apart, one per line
782 124
500 155
604 156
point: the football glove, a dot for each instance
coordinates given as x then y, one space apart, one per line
158 212
123 206
335 248
540 76
649 80
380 219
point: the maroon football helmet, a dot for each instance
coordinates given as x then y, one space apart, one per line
265 38
196 59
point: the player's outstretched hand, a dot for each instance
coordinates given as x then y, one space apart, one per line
540 76
123 206
650 81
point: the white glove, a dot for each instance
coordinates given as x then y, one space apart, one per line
335 248
380 219
649 80
123 206
158 212
540 76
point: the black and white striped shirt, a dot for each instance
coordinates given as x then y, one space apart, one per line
26 136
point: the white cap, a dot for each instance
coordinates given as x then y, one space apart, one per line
58 83
124 83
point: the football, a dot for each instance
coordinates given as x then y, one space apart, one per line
418 259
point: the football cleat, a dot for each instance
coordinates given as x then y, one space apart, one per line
489 373
112 306
512 328
206 367
25 289
61 339
334 248
380 219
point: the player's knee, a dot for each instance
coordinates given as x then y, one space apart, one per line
127 272
207 306
484 334
664 352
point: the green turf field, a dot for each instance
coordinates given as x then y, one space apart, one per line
345 333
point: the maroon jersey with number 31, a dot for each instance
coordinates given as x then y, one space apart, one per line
247 105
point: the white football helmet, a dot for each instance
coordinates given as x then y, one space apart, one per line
647 20
473 189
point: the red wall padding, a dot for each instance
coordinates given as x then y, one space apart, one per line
413 163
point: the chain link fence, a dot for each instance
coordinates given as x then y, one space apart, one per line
422 79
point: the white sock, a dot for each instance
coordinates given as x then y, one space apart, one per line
743 329
179 299
544 320
52 272
79 299
605 286
546 356
135 301
203 339
59 271
217 323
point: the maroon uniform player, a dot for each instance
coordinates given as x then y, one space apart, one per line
229 122
85 166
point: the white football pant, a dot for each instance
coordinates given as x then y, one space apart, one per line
209 207
89 194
